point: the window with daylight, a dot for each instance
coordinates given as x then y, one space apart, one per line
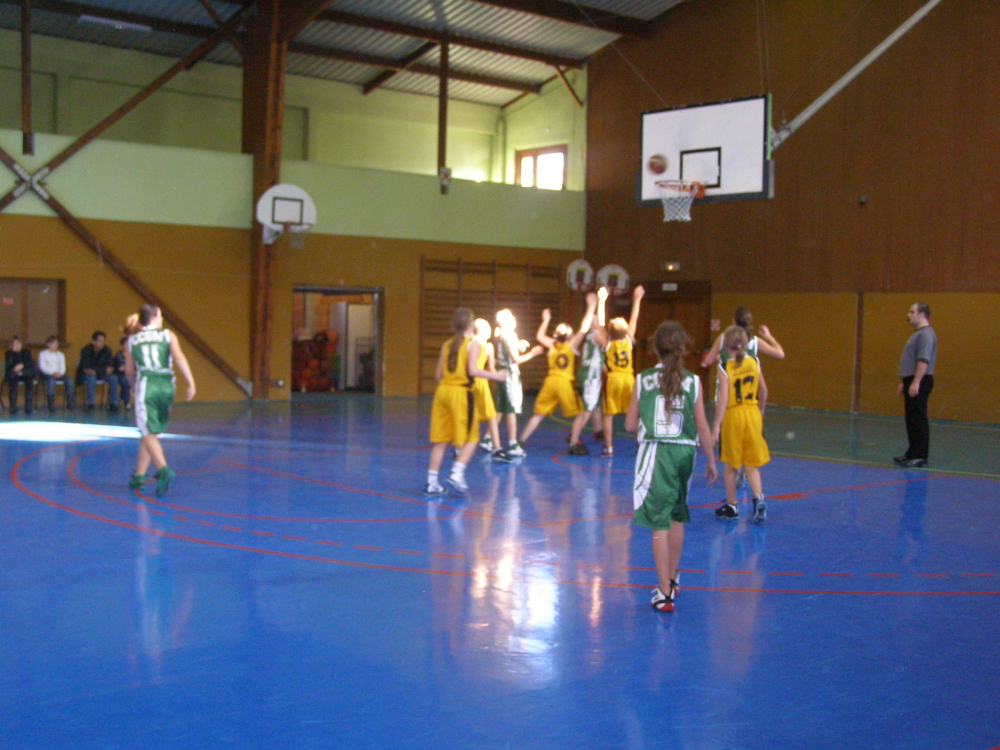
543 168
31 309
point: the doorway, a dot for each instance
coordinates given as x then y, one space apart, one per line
687 302
336 340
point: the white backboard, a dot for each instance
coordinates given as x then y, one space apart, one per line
723 145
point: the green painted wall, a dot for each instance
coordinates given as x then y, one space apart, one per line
167 185
552 119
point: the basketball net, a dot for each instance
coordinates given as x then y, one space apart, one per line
677 197
297 234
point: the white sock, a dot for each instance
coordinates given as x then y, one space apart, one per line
458 470
432 477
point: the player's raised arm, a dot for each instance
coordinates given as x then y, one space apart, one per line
767 344
637 294
601 334
588 317
542 335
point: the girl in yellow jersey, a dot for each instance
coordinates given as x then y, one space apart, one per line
619 361
739 423
453 411
558 388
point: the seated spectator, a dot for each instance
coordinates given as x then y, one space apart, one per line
52 370
119 364
19 367
96 366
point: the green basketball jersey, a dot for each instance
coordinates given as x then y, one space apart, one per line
591 360
505 361
150 350
655 425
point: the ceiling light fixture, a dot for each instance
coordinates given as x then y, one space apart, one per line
115 24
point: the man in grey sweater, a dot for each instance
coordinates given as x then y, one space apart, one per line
916 372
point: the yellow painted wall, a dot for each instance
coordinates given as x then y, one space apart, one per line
394 265
965 374
817 332
201 272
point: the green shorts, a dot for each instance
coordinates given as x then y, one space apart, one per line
154 395
510 394
662 479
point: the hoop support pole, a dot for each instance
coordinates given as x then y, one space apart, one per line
779 136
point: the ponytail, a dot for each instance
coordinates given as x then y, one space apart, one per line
735 339
671 344
461 319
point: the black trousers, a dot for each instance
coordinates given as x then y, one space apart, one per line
917 428
29 390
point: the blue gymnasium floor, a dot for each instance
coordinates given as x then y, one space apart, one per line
294 590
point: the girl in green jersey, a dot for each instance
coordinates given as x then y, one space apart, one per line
668 411
150 353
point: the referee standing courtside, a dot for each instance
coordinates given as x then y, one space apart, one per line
916 371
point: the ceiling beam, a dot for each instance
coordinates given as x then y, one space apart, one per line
296 14
431 35
583 16
407 61
388 63
205 32
157 24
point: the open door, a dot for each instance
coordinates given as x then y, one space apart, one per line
336 340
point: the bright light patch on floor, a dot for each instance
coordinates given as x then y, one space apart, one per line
64 432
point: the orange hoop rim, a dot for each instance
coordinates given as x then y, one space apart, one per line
693 188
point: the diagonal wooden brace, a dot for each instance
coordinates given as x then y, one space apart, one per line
33 182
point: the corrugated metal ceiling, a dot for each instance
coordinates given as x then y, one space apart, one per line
478 20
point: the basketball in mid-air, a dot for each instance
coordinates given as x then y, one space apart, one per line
657 164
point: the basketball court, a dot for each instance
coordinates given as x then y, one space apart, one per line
296 590
309 239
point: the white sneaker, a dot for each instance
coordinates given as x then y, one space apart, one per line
516 451
432 489
486 444
458 483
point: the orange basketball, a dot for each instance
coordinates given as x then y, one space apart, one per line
657 164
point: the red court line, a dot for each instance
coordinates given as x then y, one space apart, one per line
291 538
15 479
407 552
838 575
232 528
366 546
332 544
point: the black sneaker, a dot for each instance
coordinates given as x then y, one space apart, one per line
661 602
578 449
502 456
900 460
113 408
916 463
727 511
759 510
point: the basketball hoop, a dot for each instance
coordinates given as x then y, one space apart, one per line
297 234
677 197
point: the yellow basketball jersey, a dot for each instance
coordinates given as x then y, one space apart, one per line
618 356
744 380
460 375
562 360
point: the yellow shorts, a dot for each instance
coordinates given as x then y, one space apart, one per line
485 410
618 392
742 437
557 391
452 416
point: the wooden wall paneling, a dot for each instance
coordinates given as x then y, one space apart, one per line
862 202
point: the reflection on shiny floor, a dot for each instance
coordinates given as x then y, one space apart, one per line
295 590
